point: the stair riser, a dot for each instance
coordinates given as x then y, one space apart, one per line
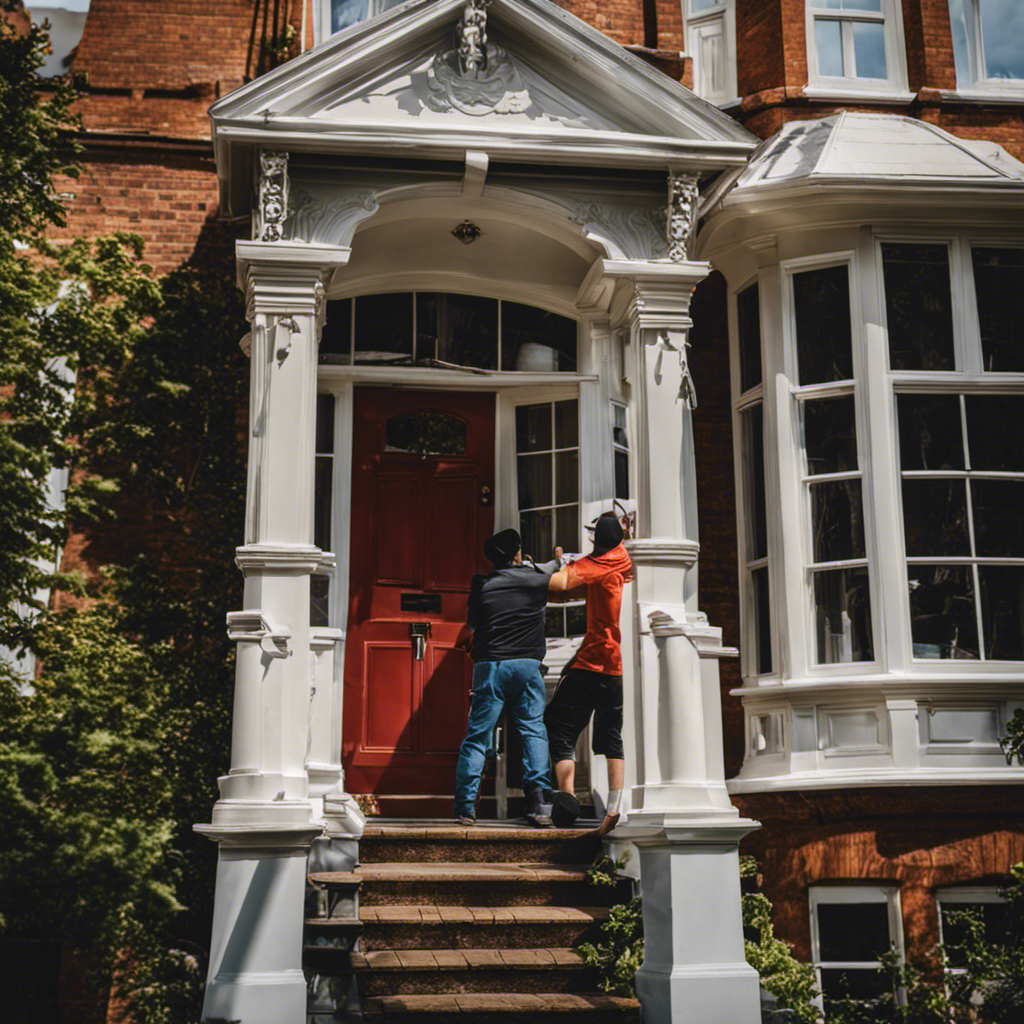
478 851
395 983
531 1017
484 894
476 936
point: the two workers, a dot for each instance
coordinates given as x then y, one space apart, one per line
505 617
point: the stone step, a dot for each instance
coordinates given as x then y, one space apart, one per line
502 1008
336 932
455 927
483 843
460 883
450 971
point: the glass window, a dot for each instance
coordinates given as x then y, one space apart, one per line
461 330
960 908
336 337
620 450
988 42
851 927
536 340
323 488
425 433
852 39
748 329
383 332
962 468
711 40
344 13
823 334
760 634
918 306
999 287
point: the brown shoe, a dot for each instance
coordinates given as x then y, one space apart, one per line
610 821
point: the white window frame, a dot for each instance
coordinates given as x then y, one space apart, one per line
961 895
893 87
968 378
975 80
744 402
698 23
830 894
799 394
322 15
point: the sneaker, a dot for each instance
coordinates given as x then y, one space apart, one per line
537 819
464 819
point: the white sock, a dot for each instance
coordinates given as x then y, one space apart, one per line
614 796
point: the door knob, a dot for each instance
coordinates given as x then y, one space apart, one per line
485 495
418 633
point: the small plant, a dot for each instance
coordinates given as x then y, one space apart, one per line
620 955
1013 742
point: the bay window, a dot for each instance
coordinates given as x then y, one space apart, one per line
855 45
960 421
988 44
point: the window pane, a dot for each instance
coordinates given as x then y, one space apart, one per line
830 435
843 983
998 508
1002 29
828 37
567 475
918 306
324 424
853 932
748 324
319 592
621 474
322 502
999 286
935 517
533 428
963 31
1002 607
534 339
554 621
942 616
869 49
575 619
567 424
838 526
535 529
931 436
996 921
348 12
384 328
534 475
762 620
425 433
824 350
753 458
460 329
336 337
842 616
995 431
567 530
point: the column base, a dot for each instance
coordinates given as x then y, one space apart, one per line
256 999
707 994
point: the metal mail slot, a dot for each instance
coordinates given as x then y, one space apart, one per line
421 603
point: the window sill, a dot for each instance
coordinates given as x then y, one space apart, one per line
1008 97
824 94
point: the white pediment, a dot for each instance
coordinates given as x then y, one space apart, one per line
551 88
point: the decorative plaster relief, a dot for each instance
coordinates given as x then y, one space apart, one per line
332 218
634 229
683 194
272 209
477 76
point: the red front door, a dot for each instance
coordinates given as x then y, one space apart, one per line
422 484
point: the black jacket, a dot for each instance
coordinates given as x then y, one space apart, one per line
506 612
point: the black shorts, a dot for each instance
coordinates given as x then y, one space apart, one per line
580 694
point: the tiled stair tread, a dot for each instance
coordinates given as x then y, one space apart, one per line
416 914
477 833
336 879
454 871
335 922
499 1002
465 959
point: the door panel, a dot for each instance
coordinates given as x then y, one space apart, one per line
418 526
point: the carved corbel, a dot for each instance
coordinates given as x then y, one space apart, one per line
272 207
683 194
252 627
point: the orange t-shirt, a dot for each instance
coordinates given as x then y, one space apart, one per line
604 576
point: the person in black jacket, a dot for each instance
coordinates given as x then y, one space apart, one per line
506 616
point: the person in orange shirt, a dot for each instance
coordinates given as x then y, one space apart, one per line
591 683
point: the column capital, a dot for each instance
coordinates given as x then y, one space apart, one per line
286 278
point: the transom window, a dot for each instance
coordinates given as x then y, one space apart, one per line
988 43
447 330
837 563
960 424
854 42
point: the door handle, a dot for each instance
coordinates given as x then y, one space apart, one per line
418 633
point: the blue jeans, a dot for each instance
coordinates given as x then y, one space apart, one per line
518 685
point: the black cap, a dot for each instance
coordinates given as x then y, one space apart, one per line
502 547
607 534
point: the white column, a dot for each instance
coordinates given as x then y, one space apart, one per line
263 821
682 820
